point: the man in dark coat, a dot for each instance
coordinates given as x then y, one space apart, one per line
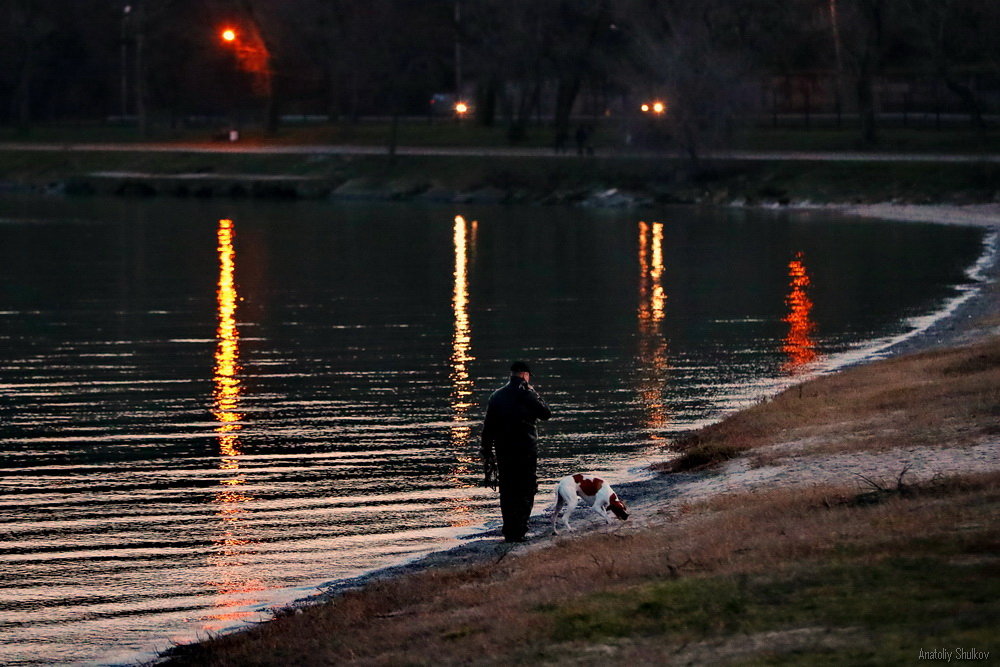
509 431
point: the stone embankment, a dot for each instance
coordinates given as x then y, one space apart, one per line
276 186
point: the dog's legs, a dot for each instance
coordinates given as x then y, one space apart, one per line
555 513
570 506
603 511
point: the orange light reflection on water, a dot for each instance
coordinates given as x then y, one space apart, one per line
461 347
227 350
651 312
463 240
798 344
231 579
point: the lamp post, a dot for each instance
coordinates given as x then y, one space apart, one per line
126 12
458 47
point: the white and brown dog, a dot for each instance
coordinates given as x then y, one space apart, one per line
594 490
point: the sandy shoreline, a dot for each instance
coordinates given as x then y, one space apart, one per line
973 319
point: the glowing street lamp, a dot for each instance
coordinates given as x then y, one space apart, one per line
252 56
461 108
656 107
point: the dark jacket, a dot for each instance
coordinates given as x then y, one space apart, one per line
511 415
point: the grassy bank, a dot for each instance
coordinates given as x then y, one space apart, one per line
957 392
843 573
607 136
546 180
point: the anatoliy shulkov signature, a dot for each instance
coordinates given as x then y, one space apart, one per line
953 654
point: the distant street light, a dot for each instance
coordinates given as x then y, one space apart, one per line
229 35
659 108
461 108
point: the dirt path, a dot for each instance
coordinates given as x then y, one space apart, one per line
331 149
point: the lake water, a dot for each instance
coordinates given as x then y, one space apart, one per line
211 407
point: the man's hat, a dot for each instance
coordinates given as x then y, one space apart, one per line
519 367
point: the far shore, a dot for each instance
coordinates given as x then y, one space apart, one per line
490 175
917 428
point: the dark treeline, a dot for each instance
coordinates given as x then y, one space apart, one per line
517 61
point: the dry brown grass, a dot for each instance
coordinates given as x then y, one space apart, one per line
944 397
499 612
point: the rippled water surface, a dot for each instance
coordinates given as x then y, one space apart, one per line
209 408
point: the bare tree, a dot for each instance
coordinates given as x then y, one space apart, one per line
683 53
28 28
862 29
507 53
949 34
574 49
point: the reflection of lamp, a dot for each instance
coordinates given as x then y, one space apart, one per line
227 383
462 338
652 344
798 344
233 583
461 382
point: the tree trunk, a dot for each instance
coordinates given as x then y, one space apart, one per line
518 129
566 96
355 103
272 111
486 103
866 103
569 86
332 95
141 81
22 93
690 142
968 99
29 41
394 129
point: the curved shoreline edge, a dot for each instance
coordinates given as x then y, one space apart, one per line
968 320
975 317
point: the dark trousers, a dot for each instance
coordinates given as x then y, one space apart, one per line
518 485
